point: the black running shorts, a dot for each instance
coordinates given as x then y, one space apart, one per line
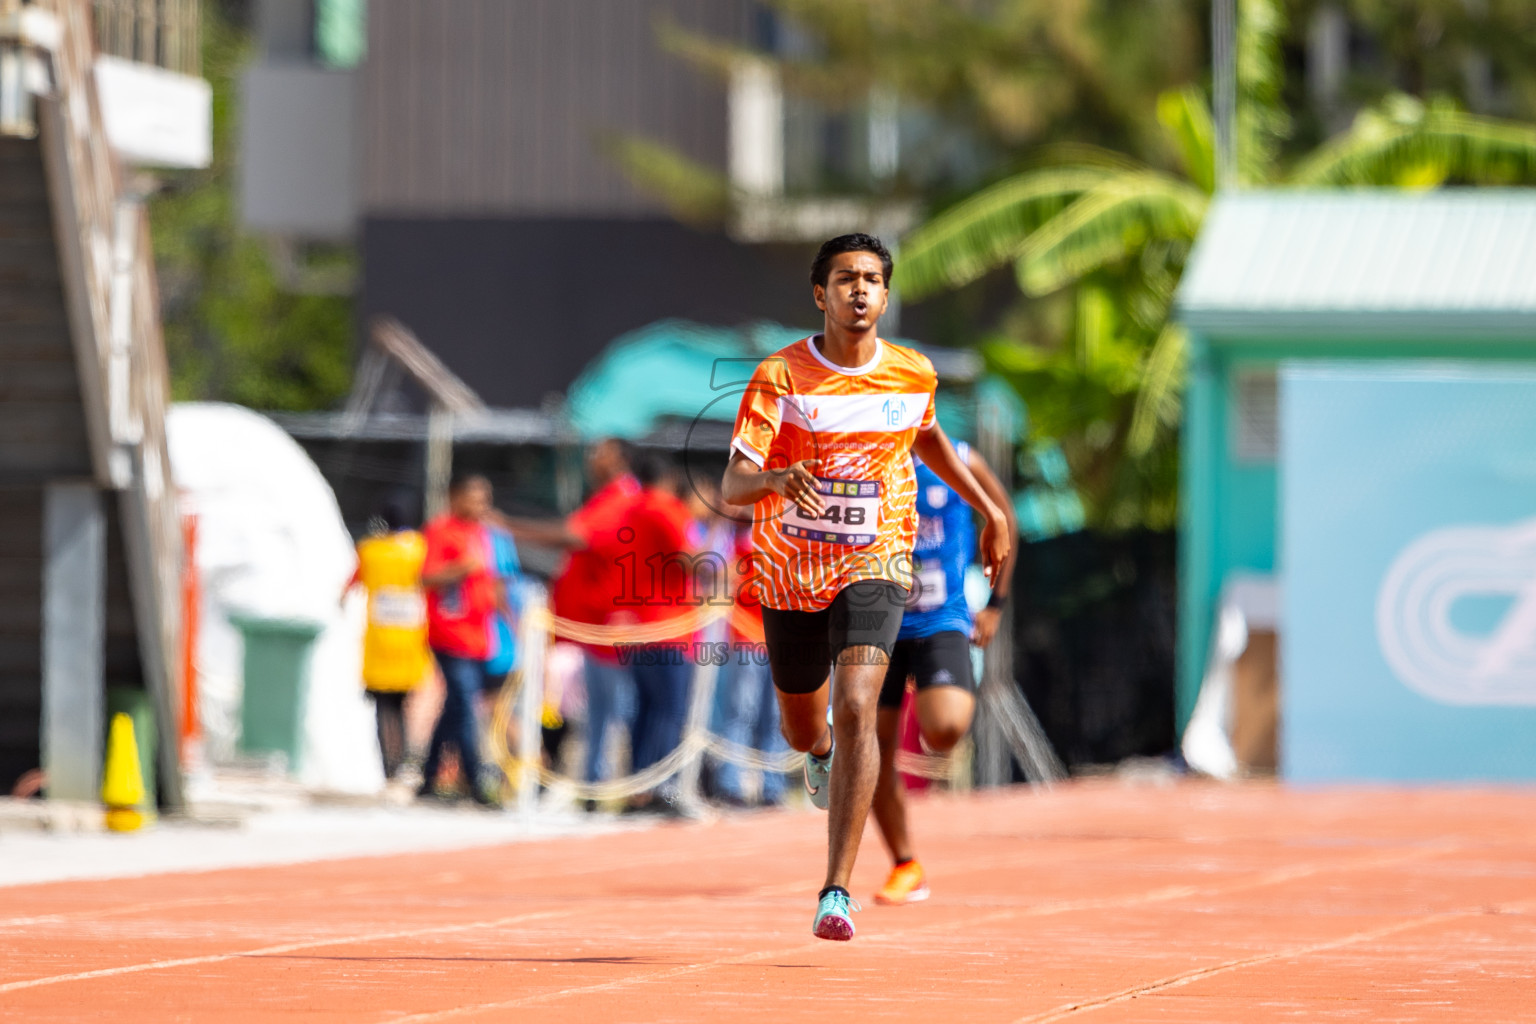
803 645
943 659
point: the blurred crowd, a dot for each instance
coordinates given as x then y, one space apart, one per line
647 550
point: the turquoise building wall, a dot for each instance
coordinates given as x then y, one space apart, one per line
1326 275
1229 508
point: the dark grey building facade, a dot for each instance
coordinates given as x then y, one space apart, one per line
481 188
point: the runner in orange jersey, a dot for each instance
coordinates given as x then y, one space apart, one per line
822 450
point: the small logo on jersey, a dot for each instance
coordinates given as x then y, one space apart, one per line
895 410
938 495
930 532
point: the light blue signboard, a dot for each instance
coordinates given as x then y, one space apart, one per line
1408 562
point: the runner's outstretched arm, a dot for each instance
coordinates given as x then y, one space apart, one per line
549 533
745 483
933 447
987 619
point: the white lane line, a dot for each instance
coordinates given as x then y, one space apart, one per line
1275 876
1272 877
1188 977
352 889
289 947
607 986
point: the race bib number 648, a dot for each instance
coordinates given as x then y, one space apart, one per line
852 514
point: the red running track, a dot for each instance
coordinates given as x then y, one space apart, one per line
1097 901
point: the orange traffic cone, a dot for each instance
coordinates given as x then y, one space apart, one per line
122 786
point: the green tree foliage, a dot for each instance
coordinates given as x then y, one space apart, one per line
1114 234
995 78
233 331
1088 127
1415 145
1481 53
695 193
1051 88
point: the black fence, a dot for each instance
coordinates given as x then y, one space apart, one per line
1094 643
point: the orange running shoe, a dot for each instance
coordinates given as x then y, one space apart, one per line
907 884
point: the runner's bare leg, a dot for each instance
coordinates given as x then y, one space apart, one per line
803 720
890 807
859 673
944 715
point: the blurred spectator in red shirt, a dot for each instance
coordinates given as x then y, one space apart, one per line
659 562
462 596
590 586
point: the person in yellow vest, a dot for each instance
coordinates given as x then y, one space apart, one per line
395 655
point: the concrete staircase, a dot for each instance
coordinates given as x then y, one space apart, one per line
90 550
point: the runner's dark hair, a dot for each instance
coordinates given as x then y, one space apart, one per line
857 242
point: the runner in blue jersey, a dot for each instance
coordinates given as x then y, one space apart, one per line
933 649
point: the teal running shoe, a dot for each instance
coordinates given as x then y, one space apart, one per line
834 918
818 778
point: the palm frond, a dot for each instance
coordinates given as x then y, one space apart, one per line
705 52
1109 350
1262 119
1402 142
989 229
1187 116
1010 358
1095 324
1106 225
694 193
1086 154
1154 281
1158 402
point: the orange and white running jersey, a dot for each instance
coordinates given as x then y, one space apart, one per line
860 422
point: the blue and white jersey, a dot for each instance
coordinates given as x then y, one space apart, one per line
945 546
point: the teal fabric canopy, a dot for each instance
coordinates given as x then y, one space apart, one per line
680 370
671 369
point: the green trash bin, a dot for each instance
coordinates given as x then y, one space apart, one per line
276 669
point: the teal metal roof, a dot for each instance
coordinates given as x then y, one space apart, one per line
1365 261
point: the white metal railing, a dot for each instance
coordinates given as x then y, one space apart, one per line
160 32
